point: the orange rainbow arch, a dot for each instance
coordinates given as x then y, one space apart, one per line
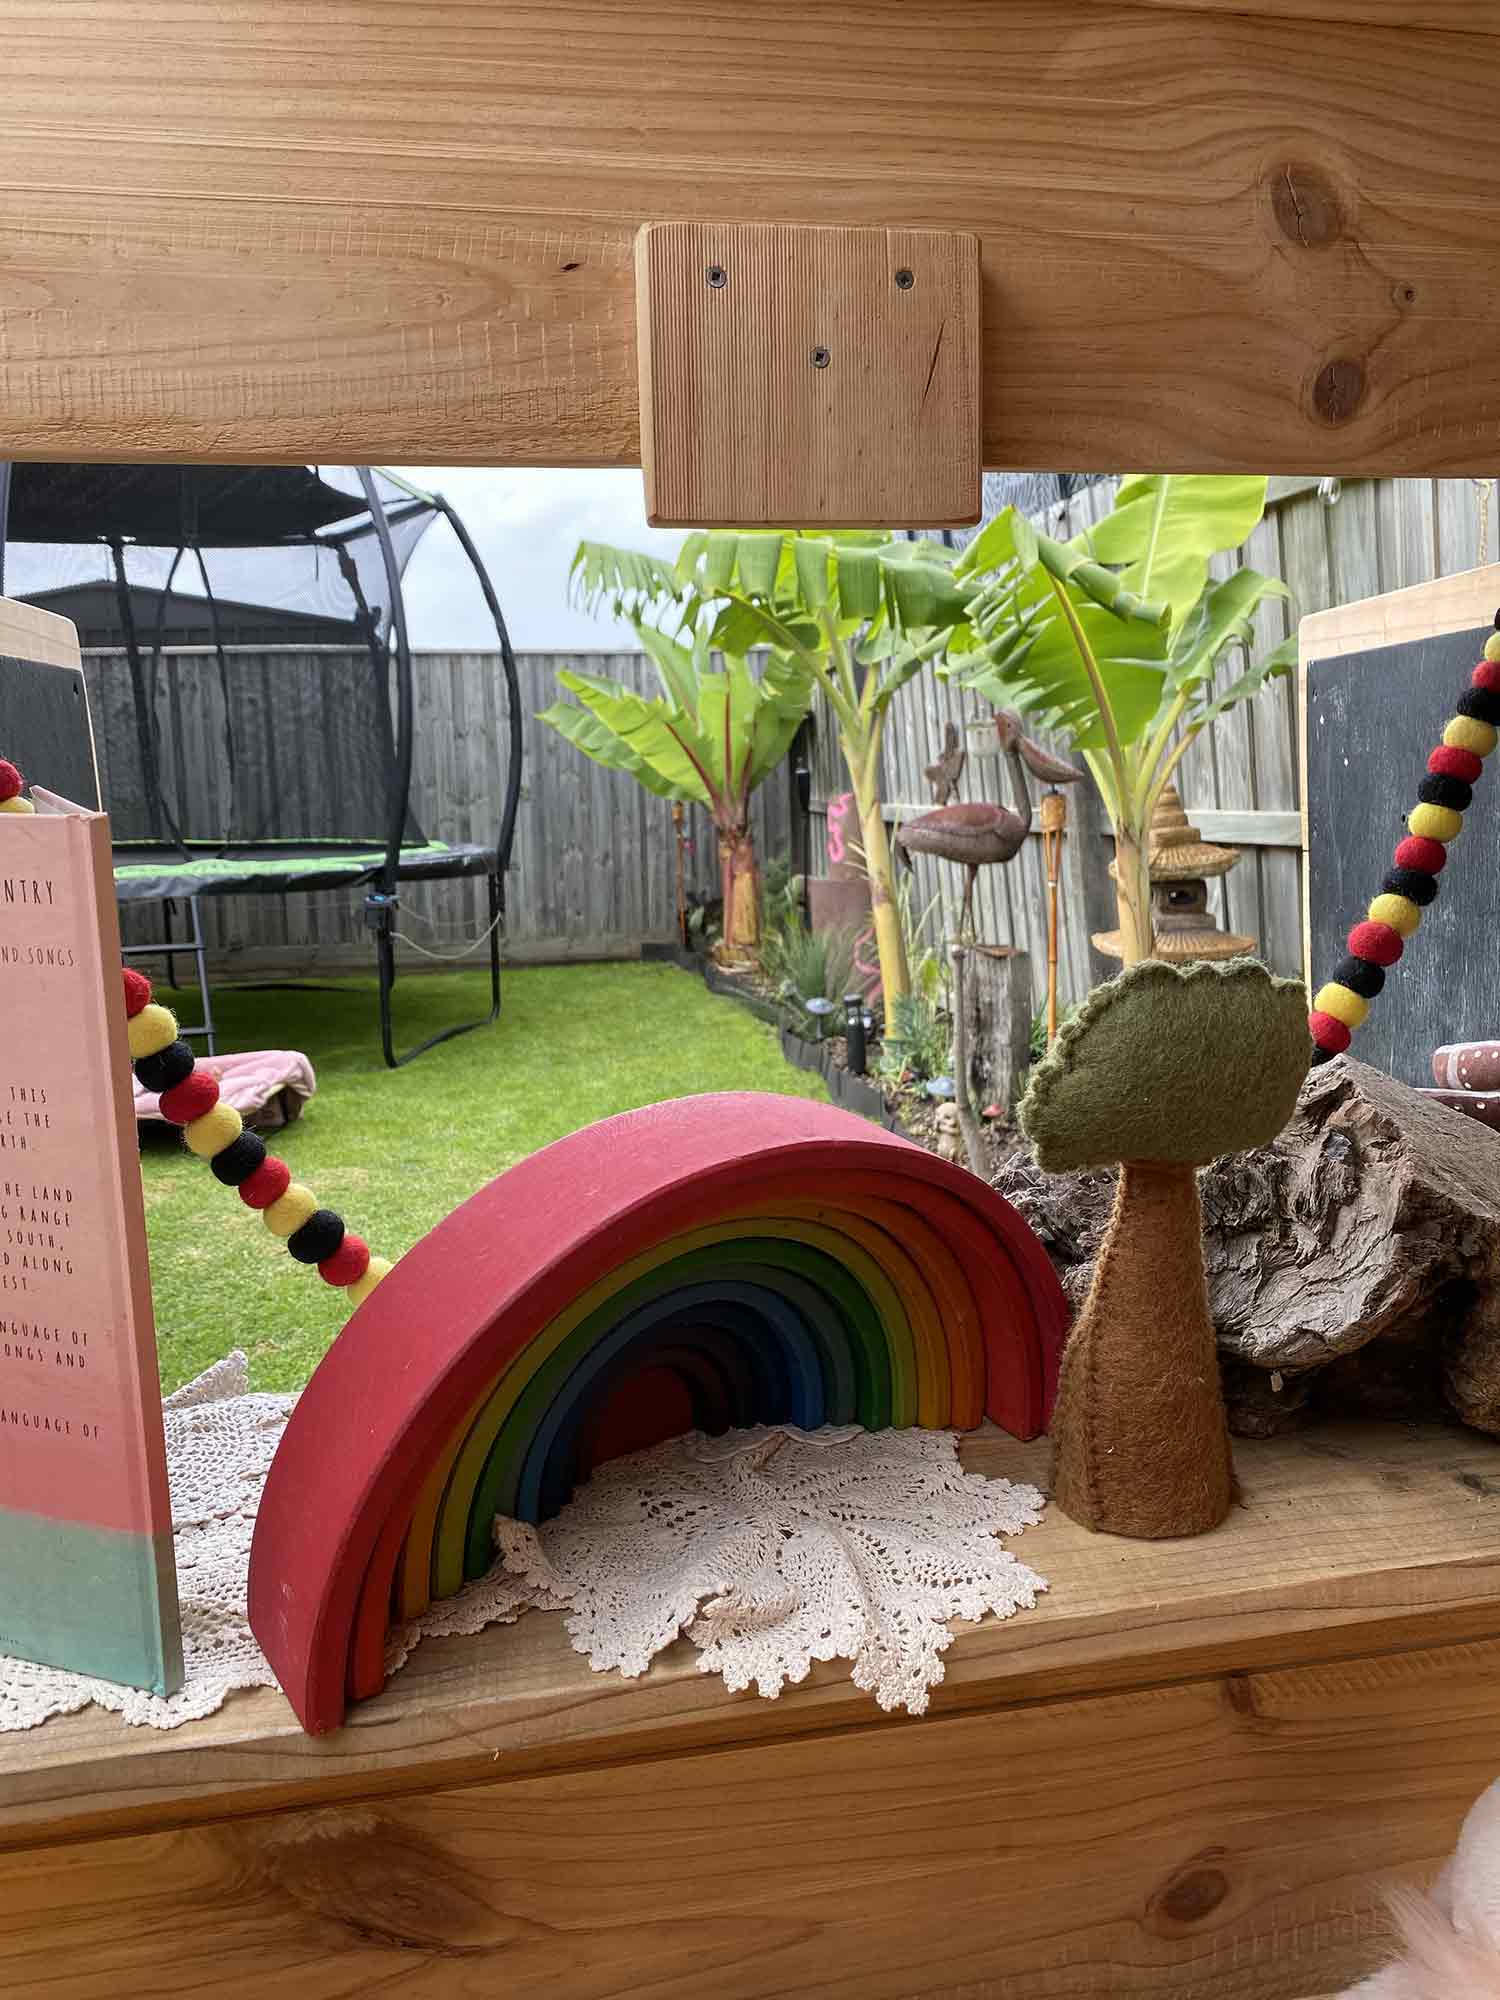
706 1263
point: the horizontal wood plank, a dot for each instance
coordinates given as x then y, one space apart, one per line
29 634
1349 1542
1251 828
367 230
1226 1839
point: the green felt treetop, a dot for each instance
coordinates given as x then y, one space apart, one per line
1171 1063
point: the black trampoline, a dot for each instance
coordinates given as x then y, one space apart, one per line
293 780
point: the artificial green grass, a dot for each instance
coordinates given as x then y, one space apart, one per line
394 1151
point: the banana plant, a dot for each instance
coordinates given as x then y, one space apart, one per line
1114 639
854 614
710 737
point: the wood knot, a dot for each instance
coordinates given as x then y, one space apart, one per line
1306 205
1339 390
1192 1894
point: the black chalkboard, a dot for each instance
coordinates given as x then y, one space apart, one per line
44 728
1372 718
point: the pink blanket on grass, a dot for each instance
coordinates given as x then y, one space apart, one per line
268 1087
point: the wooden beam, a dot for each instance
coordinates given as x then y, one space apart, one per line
1210 238
1248 828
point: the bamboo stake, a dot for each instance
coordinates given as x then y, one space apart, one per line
1054 819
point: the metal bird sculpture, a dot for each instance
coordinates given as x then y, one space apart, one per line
943 776
981 836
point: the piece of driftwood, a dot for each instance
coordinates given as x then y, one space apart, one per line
1353 1266
997 1023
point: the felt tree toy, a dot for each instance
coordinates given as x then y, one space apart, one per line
1161 1071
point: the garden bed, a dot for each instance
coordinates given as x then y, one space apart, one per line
907 1111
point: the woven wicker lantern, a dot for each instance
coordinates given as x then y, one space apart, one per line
1182 862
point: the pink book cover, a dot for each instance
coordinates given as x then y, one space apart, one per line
87 1579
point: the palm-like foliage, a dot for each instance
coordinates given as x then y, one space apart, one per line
857 614
711 736
1114 639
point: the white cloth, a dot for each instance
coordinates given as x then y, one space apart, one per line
768 1548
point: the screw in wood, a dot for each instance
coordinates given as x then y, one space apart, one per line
717 276
820 357
904 280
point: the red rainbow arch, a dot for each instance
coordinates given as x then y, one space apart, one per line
703 1263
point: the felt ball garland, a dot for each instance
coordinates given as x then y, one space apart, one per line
189 1097
1341 1005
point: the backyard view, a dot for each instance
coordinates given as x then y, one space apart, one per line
396 1153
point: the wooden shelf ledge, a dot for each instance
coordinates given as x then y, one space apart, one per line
1185 1775
1348 1543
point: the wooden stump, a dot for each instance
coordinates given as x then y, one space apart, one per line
997 999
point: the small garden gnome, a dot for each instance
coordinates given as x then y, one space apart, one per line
1161 1071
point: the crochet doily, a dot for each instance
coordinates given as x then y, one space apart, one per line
768 1549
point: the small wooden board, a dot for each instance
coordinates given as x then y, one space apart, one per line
808 377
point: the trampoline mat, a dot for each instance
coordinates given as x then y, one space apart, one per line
149 871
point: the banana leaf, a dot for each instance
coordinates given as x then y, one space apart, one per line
1165 526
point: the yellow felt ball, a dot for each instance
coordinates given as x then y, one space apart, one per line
1467 732
1492 646
1435 822
16 805
375 1270
288 1212
214 1131
151 1031
1400 912
1343 1003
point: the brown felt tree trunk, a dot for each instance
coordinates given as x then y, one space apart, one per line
1140 1442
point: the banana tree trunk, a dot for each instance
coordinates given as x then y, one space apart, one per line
740 882
895 977
1133 893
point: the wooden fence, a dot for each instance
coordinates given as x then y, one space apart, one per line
1330 543
593 871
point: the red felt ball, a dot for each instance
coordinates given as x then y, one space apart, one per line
1426 856
137 991
1376 942
348 1263
10 780
189 1099
1328 1033
1487 676
1447 761
268 1183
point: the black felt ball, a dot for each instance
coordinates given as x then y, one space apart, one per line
238 1160
1437 790
1480 703
1411 883
167 1068
319 1237
1360 976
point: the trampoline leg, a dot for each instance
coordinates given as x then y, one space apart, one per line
378 915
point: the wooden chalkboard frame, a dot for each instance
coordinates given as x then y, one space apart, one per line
1426 610
41 639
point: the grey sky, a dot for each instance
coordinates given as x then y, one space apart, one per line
526 526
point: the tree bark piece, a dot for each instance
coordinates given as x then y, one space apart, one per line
997 994
968 1117
1353 1267
1139 1440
